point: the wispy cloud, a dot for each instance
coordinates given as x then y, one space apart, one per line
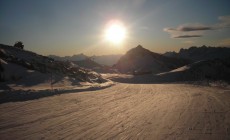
179 31
187 36
186 28
180 34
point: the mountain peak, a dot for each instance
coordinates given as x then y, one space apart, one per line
138 50
139 46
141 59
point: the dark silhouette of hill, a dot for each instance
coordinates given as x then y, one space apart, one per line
201 53
215 69
141 61
203 72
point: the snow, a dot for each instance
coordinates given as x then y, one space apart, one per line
27 70
36 105
13 70
122 111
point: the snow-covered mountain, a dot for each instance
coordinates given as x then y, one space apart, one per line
26 67
141 60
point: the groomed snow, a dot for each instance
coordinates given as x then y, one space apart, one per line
122 111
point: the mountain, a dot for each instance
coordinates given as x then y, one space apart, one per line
141 60
101 64
207 72
108 60
26 68
77 57
201 53
87 63
215 69
92 65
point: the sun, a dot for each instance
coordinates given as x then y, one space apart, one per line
115 32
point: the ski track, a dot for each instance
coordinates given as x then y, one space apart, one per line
123 111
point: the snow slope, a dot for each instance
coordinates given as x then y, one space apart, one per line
25 68
216 69
123 111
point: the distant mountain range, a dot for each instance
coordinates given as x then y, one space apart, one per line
141 60
77 57
201 53
192 64
107 60
87 63
21 66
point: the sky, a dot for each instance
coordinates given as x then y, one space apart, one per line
77 26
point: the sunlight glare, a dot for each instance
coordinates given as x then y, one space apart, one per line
115 32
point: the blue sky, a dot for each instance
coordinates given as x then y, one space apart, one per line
76 26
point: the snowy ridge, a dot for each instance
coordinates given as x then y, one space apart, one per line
22 67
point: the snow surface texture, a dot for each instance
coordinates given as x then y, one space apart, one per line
123 111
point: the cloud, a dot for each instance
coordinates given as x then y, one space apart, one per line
180 34
168 29
183 28
194 30
187 36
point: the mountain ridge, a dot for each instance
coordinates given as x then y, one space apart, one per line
195 53
17 64
107 60
139 59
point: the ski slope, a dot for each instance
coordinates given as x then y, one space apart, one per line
122 111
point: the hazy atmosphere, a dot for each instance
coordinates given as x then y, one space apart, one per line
115 69
71 27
